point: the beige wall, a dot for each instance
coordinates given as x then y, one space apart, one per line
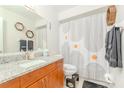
51 16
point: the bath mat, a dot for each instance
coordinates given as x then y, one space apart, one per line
88 84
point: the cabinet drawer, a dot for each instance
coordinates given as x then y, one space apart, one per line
11 84
47 69
51 67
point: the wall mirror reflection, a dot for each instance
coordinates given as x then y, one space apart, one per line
13 40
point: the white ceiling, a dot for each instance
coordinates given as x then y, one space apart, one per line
21 10
61 8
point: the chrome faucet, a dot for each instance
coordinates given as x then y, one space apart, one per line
29 55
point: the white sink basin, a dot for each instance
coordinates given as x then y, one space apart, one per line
31 63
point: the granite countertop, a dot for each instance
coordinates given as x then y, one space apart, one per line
13 70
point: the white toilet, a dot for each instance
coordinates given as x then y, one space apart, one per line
69 69
71 75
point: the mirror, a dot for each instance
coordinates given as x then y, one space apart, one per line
21 29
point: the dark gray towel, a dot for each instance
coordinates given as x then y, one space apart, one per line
113 47
118 37
23 45
30 45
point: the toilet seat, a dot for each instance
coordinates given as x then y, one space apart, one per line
69 69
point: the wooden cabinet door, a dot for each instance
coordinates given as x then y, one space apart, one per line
60 75
53 79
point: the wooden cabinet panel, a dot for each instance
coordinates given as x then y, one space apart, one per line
53 79
11 84
60 74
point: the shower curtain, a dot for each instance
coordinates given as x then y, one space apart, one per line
82 43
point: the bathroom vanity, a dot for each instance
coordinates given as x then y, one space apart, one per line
25 34
45 75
